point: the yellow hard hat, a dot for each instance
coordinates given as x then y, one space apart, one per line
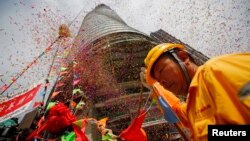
154 54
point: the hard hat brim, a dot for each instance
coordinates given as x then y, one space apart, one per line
154 54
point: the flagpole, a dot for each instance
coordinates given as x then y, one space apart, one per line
18 76
140 101
24 70
50 69
178 124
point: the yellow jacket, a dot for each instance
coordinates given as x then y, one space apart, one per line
216 95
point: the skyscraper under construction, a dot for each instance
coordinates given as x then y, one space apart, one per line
110 55
104 64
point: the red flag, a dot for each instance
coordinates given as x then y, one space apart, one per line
17 104
13 80
4 87
30 64
58 119
48 48
36 104
62 73
135 132
76 82
80 136
59 84
55 94
79 129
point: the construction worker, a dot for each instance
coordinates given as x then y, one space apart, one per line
217 92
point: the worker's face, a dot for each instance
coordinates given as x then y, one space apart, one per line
170 76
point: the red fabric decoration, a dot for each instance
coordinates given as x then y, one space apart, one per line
58 119
36 104
80 134
59 84
62 73
54 94
76 82
4 87
134 132
48 48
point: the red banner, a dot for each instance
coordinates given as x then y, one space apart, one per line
18 104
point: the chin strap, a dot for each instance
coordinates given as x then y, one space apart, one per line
182 66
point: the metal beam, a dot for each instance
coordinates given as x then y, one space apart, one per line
155 122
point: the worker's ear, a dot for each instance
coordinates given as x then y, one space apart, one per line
183 55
